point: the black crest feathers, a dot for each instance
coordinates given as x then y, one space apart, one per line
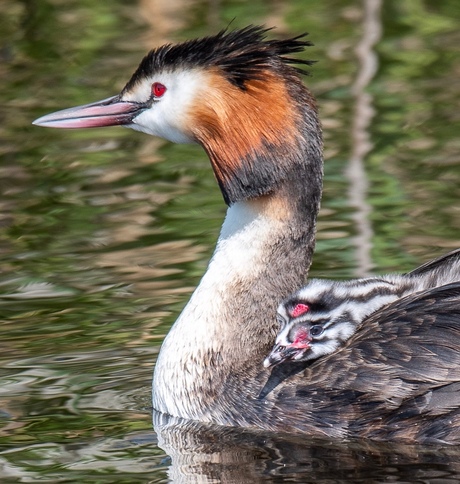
241 55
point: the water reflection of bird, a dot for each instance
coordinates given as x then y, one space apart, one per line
318 318
238 96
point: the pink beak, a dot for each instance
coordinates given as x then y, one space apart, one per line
108 112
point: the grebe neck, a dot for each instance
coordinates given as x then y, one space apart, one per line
269 170
262 255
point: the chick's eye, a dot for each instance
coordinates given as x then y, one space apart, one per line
316 330
158 89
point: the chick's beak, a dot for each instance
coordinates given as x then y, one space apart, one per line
280 354
275 356
108 112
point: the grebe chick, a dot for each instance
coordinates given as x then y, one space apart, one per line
321 316
238 95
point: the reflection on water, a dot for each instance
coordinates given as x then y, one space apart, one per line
208 454
104 233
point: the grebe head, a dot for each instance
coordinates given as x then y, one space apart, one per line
234 93
321 316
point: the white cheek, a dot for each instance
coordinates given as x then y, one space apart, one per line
170 116
154 122
323 348
282 338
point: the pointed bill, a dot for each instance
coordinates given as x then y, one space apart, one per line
108 112
280 354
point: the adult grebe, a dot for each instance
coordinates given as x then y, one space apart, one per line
238 96
321 316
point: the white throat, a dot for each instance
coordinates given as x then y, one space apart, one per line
210 329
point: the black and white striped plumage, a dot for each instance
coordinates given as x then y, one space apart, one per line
321 316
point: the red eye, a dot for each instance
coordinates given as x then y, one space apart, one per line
158 89
299 309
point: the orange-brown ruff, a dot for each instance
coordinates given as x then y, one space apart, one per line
219 119
237 94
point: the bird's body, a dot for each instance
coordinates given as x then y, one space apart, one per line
238 96
318 318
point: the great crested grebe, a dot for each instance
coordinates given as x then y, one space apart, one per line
318 318
238 96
